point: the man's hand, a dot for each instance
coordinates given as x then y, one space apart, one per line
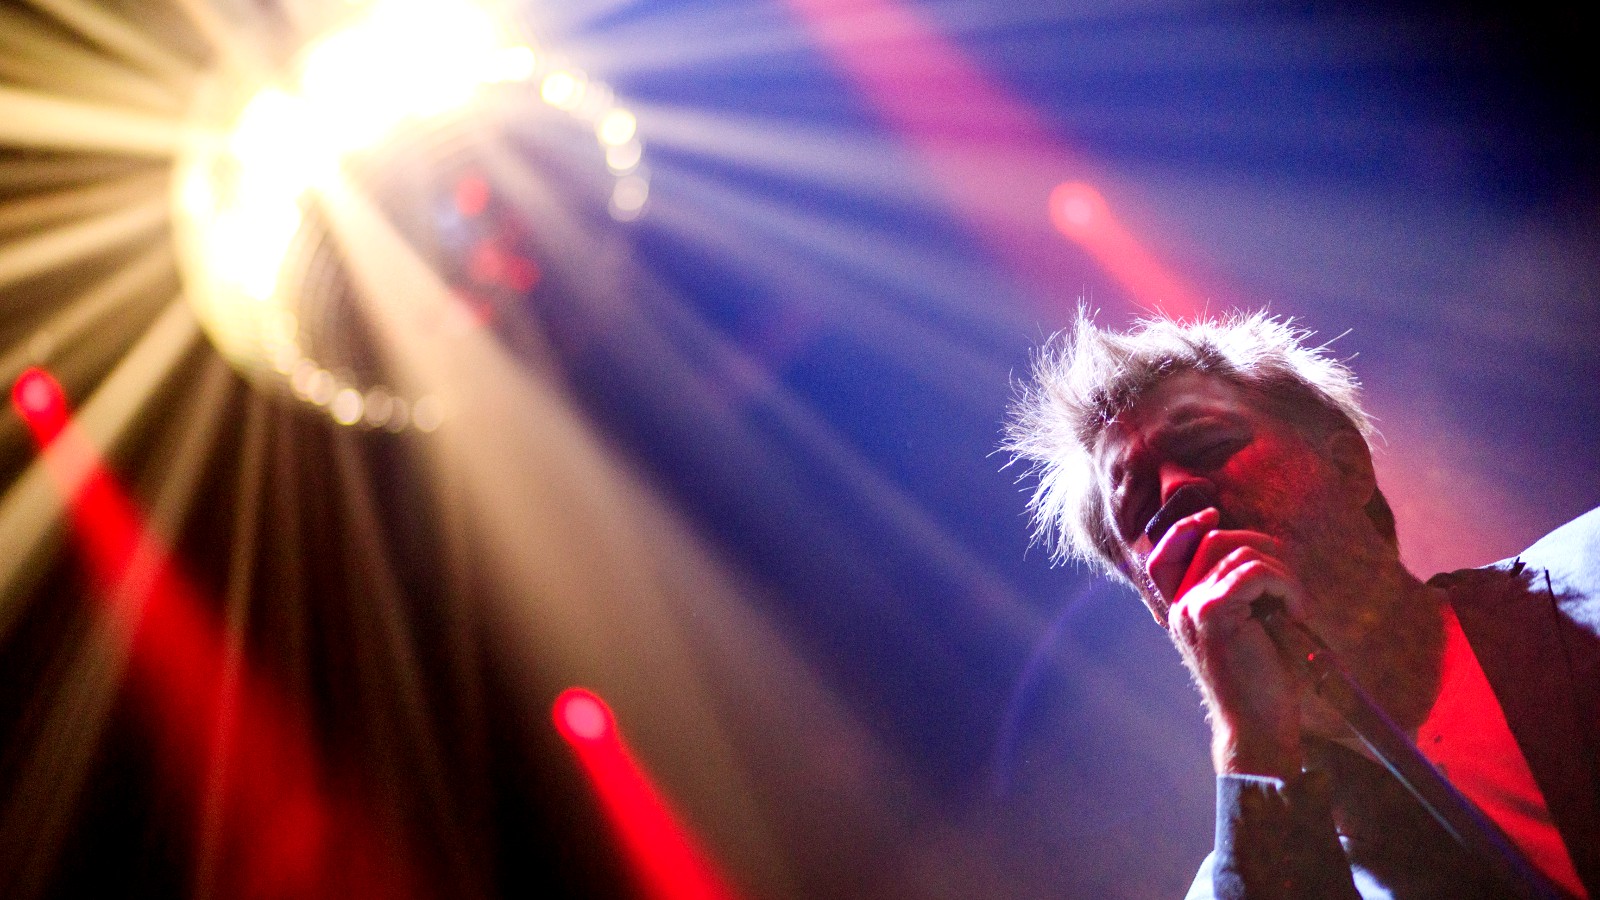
1211 578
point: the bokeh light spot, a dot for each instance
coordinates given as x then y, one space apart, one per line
346 407
617 127
427 413
562 89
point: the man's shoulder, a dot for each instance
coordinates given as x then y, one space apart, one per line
1571 551
1563 565
1569 559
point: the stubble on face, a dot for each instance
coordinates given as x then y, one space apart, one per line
1383 624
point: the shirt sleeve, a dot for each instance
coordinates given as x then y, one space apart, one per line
1276 839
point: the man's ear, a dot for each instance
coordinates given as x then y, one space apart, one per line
1352 459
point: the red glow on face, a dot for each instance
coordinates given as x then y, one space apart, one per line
582 716
666 859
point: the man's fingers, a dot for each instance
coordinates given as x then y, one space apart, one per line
1170 559
1223 601
1193 547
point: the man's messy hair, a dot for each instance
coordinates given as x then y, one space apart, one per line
1084 377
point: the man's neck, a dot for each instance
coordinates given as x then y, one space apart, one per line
1387 628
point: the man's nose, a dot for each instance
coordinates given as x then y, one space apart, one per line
1174 475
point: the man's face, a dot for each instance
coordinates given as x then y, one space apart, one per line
1193 428
1268 476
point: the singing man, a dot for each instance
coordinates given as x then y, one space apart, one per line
1493 672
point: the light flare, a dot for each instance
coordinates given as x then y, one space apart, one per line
580 715
404 60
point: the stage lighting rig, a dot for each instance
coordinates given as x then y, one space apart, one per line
383 96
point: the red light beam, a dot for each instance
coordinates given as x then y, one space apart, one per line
1081 214
282 835
989 153
665 857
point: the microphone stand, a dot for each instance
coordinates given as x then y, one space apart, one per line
1458 815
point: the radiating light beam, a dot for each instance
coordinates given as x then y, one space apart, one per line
31 503
1080 213
37 210
247 516
78 240
120 37
79 697
26 173
559 519
32 120
32 54
664 855
415 753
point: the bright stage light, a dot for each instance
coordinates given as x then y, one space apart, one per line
377 407
562 89
346 406
511 64
628 200
261 157
624 158
404 60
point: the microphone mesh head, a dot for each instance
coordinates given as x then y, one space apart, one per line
1185 501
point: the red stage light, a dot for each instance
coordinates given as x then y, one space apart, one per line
41 402
228 739
582 716
666 858
907 71
36 392
1076 208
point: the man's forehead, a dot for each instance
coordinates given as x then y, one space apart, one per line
1170 402
1185 394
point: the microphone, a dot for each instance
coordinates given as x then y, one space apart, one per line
1310 657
